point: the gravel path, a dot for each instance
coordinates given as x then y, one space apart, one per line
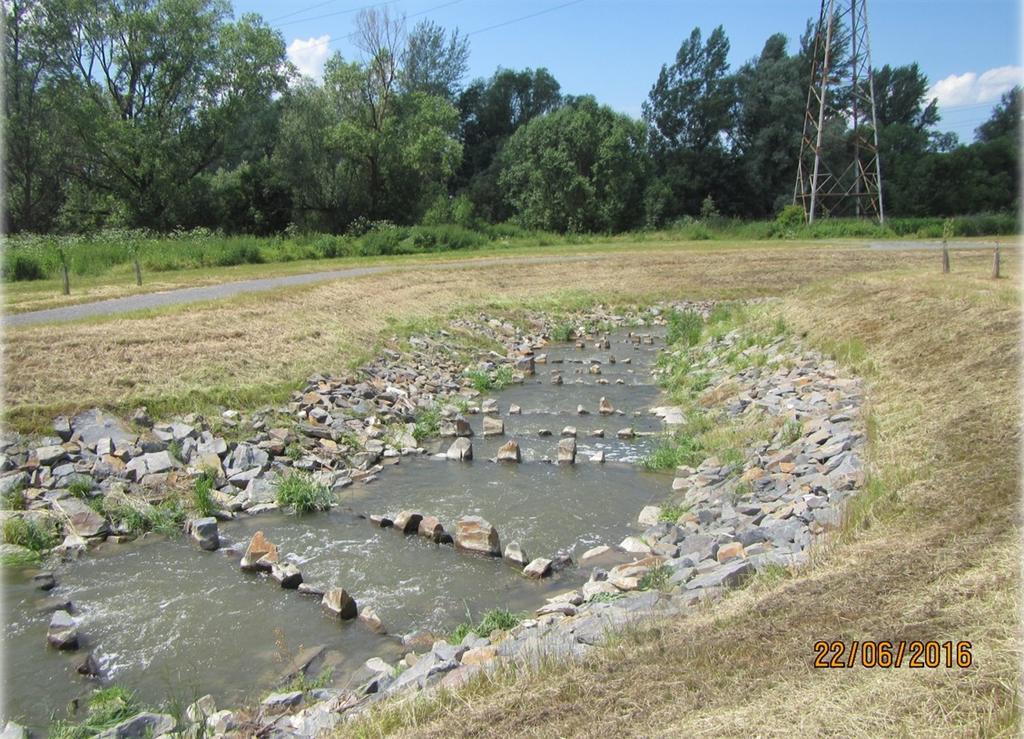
230 289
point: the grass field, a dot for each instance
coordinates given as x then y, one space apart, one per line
931 549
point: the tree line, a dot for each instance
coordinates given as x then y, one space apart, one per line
171 114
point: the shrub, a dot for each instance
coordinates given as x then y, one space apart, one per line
791 217
22 268
239 254
301 493
29 533
480 380
674 451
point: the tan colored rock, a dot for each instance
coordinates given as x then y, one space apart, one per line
509 452
754 473
538 568
259 546
650 515
730 551
408 522
430 528
479 655
474 534
371 620
338 602
605 408
493 426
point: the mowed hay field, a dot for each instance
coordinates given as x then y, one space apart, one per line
931 550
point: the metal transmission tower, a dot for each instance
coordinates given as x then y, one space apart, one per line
839 164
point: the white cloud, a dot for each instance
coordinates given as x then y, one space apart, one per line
971 88
309 54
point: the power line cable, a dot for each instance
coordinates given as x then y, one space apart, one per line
336 13
523 17
332 41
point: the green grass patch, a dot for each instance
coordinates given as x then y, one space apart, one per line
14 498
496 618
671 513
656 578
300 492
106 708
684 327
202 494
428 423
80 488
29 533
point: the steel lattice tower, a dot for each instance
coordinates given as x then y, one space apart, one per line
839 164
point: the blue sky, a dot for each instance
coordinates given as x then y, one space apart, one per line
613 49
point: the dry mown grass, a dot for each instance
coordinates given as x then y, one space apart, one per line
254 349
932 552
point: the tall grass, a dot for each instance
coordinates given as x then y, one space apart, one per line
35 257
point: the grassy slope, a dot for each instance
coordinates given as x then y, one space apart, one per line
931 552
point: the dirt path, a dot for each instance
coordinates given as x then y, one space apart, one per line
166 298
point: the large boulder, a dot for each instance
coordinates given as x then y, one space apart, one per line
338 602
605 408
430 528
538 568
141 725
461 450
509 452
81 519
91 426
259 547
493 426
457 426
474 534
408 522
205 534
62 632
567 451
287 575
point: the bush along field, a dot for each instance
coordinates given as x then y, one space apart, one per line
29 257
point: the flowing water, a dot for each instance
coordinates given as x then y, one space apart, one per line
170 621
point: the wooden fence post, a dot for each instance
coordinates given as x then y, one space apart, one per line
995 262
945 257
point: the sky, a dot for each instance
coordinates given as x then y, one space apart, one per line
613 49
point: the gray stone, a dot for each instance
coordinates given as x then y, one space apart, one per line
62 632
141 725
93 425
280 702
650 514
514 554
567 451
287 575
726 575
81 519
50 455
205 534
461 450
